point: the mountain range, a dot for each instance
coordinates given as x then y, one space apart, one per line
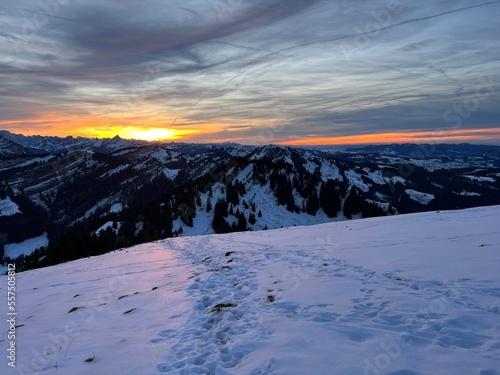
82 196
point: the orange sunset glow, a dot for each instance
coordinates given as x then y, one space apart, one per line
146 122
466 135
154 130
54 124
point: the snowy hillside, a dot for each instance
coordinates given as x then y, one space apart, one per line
401 295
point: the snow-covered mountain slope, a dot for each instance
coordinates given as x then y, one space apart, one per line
411 294
10 149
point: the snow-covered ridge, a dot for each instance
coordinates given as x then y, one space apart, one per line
8 208
418 196
414 294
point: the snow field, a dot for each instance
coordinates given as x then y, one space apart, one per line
403 295
13 250
8 208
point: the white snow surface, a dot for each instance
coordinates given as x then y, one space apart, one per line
469 194
356 180
376 176
107 225
116 208
401 295
117 169
171 173
13 250
481 178
420 197
8 208
30 161
330 171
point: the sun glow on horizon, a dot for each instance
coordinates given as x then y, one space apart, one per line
151 134
142 134
137 127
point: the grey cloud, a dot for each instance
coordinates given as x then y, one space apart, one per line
203 60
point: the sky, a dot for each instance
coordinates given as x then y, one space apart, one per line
252 71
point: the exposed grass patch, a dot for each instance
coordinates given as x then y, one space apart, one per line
221 306
219 269
401 279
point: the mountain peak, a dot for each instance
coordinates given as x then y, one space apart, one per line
273 152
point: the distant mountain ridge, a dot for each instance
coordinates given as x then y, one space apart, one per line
41 145
91 195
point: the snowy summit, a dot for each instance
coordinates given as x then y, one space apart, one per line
403 295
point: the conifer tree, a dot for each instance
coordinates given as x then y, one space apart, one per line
242 223
251 218
312 204
329 197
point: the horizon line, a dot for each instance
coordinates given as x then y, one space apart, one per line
457 137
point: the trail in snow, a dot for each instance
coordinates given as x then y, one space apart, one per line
210 342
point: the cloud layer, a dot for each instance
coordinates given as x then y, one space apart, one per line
250 71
